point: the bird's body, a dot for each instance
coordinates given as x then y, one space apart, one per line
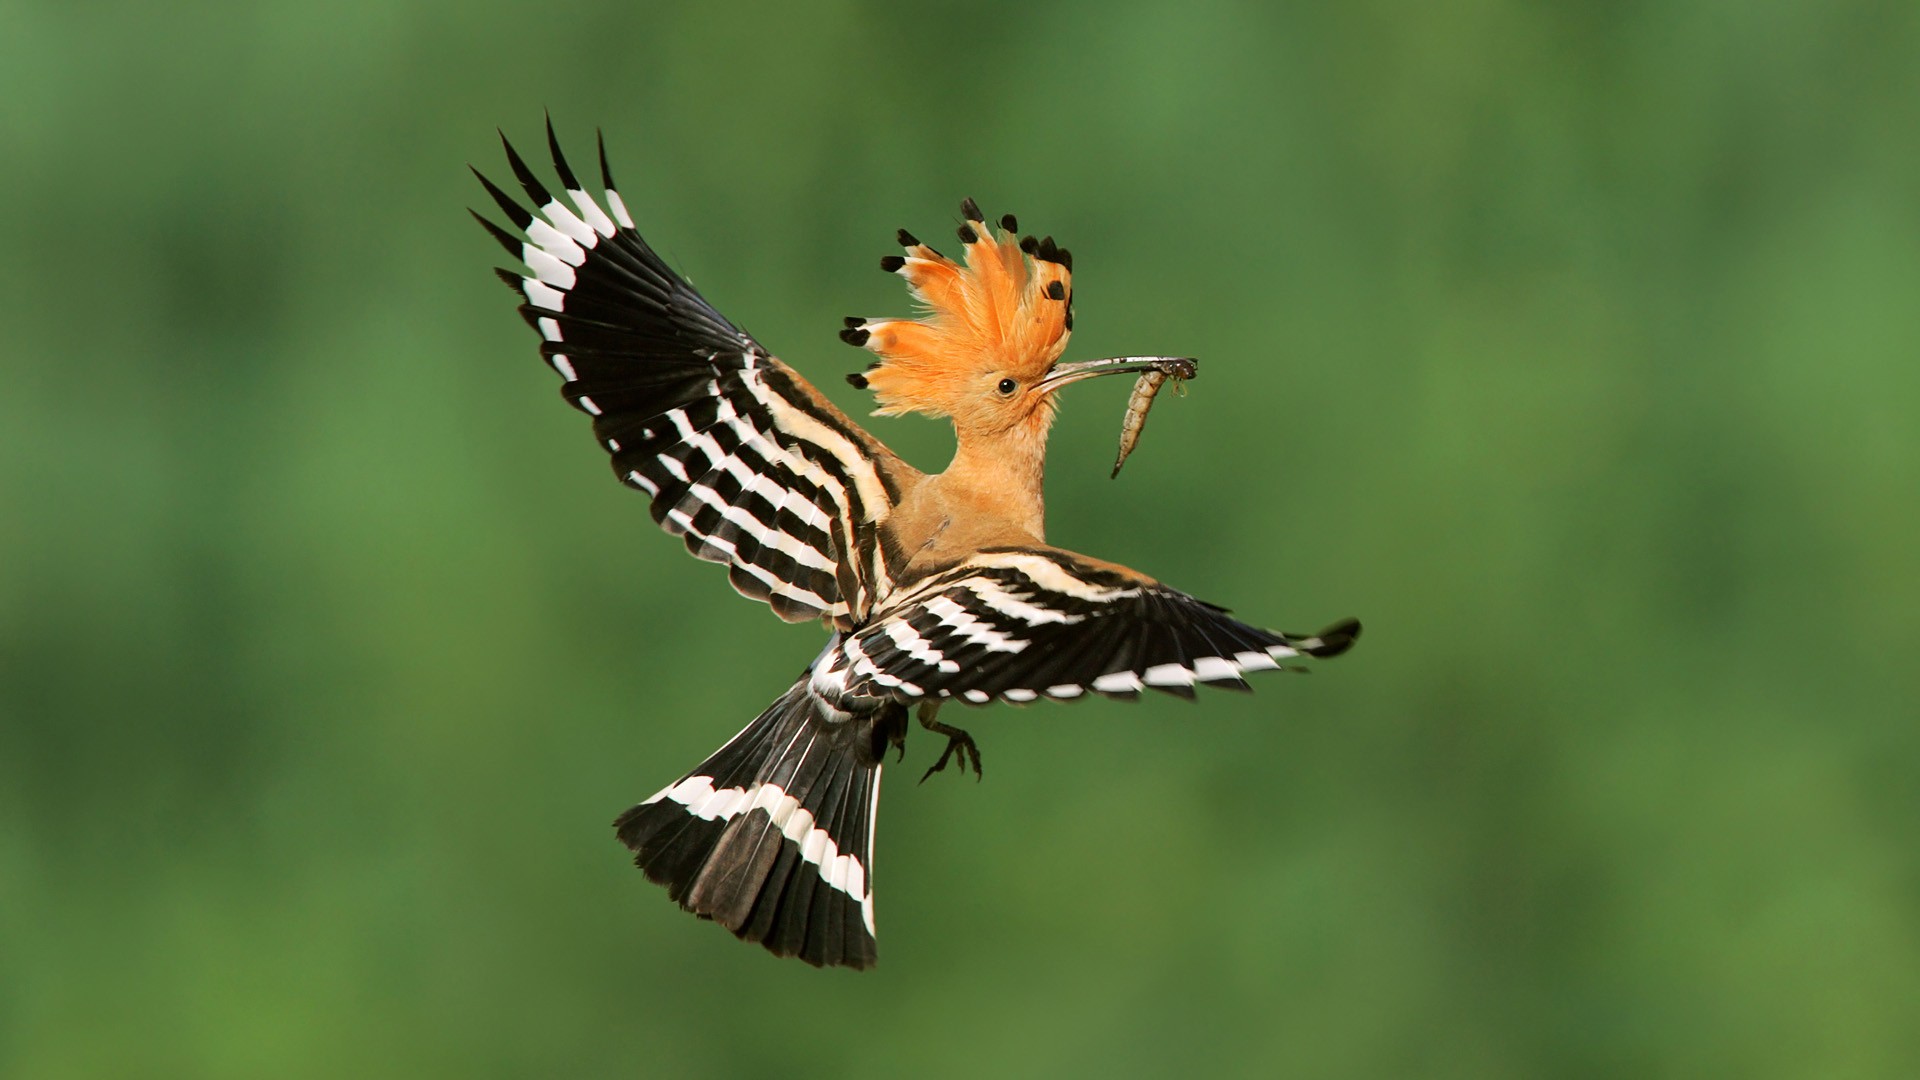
934 586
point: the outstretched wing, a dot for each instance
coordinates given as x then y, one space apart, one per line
1022 623
740 455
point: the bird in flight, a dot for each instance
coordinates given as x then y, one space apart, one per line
936 587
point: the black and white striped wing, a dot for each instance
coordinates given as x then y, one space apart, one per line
739 455
1020 624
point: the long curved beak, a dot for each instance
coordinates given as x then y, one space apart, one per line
1179 367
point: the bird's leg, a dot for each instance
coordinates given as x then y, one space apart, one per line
969 752
888 731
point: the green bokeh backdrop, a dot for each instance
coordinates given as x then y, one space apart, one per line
1571 346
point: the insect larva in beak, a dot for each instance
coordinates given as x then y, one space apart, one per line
1144 390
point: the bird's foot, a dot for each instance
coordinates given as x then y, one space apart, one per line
961 749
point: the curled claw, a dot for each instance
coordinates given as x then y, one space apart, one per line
961 749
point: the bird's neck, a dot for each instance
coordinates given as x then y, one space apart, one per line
1003 475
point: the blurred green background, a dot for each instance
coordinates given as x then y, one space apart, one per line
1570 346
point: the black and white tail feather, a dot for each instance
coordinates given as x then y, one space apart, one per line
772 836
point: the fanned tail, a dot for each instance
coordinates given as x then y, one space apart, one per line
772 836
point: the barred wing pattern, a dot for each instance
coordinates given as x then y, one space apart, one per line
739 455
1016 624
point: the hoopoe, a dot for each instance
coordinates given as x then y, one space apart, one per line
935 587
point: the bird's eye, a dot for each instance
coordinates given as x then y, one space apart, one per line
1008 386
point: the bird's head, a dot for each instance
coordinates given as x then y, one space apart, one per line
986 350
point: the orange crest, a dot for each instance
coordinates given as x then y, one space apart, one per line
1007 312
